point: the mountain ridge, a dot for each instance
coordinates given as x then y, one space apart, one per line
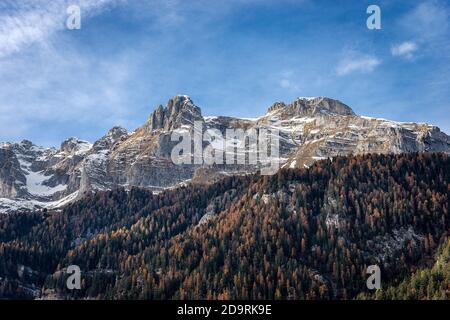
310 129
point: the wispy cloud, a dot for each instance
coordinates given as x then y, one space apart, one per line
228 54
25 22
405 49
357 63
61 86
429 20
47 80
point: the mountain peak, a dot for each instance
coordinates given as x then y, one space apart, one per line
116 132
179 110
76 145
27 144
276 106
114 135
313 106
309 129
324 105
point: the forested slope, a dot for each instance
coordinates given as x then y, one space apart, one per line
300 234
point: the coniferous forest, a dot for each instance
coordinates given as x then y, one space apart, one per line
299 234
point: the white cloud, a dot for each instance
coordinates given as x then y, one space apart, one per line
352 63
46 79
405 49
25 22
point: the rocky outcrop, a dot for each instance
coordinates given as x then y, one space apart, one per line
11 177
311 107
180 110
310 129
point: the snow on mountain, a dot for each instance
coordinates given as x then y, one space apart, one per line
36 184
310 128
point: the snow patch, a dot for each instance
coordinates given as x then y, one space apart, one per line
8 205
36 184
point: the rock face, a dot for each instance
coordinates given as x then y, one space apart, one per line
322 128
310 129
179 111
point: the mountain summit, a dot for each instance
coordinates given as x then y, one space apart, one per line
310 129
303 106
180 110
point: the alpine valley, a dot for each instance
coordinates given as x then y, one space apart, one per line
352 192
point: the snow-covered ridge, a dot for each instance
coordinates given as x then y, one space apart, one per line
308 98
403 124
310 129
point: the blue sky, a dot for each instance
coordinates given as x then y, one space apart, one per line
233 57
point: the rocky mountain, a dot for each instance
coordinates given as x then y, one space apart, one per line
310 129
308 233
